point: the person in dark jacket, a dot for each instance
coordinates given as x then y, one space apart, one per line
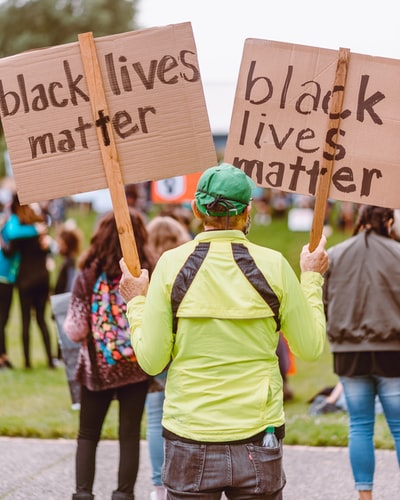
33 281
69 240
362 301
11 230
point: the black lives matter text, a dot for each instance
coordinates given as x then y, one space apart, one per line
260 91
67 91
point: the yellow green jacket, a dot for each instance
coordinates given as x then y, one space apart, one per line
223 381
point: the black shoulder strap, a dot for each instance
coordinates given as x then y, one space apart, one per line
185 278
246 264
249 268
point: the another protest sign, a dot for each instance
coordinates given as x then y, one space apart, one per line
124 109
157 110
70 350
280 122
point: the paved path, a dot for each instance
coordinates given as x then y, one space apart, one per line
43 469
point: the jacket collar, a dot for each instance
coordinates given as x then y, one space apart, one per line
229 234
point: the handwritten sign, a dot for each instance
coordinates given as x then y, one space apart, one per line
279 128
156 109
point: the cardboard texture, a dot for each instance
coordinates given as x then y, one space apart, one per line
157 110
279 125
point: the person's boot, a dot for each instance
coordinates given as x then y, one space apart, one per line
120 495
82 495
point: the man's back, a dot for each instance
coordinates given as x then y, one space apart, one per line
224 387
223 381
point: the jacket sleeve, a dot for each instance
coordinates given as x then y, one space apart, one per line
16 230
77 324
302 314
152 345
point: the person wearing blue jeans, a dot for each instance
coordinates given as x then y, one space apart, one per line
360 395
362 304
154 411
164 233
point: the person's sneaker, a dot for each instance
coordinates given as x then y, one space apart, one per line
160 493
7 363
58 362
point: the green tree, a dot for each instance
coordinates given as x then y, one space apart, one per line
33 24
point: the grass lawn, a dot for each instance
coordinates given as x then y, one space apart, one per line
36 403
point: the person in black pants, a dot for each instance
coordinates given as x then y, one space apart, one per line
107 365
11 230
33 282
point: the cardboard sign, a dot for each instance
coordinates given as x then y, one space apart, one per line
175 189
279 128
156 109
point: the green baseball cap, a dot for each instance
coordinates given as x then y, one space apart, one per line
223 190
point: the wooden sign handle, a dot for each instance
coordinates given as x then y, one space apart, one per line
109 152
329 152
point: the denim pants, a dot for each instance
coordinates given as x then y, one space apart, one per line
360 395
204 471
154 411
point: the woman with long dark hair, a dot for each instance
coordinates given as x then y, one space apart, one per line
107 366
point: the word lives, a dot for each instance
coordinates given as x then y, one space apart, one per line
68 92
266 139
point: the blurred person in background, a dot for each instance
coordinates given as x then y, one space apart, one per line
12 229
165 233
182 214
33 280
69 241
362 302
137 196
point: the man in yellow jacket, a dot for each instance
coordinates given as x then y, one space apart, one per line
213 311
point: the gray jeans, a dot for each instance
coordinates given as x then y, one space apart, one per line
205 471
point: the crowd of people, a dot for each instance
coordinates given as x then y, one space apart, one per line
202 340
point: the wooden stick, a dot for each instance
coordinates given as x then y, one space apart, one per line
329 152
109 152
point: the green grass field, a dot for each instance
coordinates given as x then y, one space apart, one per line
36 403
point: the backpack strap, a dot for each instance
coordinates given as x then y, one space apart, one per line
249 268
245 263
185 278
